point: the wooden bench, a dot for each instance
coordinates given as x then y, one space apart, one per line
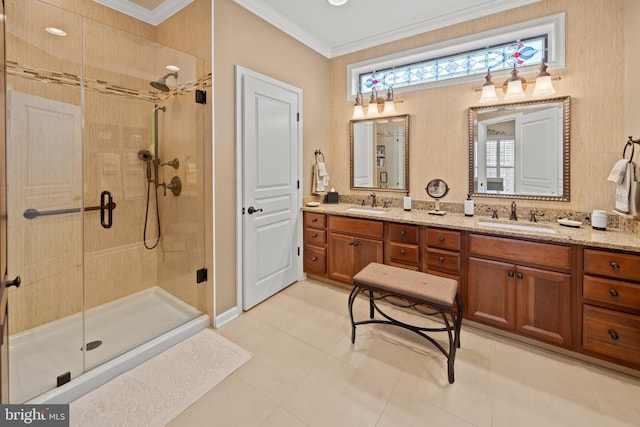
426 293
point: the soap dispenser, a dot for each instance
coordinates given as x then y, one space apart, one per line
468 206
406 202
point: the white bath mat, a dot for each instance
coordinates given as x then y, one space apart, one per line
158 390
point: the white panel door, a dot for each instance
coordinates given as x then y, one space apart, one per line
537 153
271 201
363 158
45 168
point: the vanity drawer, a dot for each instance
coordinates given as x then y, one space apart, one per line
354 226
612 264
315 220
611 333
543 254
443 261
315 236
403 233
623 294
404 253
443 239
315 260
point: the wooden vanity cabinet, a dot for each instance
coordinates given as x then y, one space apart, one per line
521 286
402 245
315 243
353 243
611 306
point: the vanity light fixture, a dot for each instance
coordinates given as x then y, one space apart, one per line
488 90
372 110
171 67
516 85
377 105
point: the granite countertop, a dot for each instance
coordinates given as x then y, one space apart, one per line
583 235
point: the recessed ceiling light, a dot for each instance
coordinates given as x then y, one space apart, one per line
337 2
172 68
55 31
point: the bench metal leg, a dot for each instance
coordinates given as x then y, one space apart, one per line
452 323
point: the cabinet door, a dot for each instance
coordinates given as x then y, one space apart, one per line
366 251
491 297
341 257
543 299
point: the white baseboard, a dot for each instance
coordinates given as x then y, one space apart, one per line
226 317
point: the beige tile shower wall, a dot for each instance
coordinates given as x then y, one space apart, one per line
632 65
593 77
243 39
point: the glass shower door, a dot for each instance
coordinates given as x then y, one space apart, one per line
45 195
143 142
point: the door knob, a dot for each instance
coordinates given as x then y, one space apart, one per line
15 282
253 210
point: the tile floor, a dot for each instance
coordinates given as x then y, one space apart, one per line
306 372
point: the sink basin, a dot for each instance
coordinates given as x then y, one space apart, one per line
522 227
366 211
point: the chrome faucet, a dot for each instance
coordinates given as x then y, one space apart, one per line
513 216
374 204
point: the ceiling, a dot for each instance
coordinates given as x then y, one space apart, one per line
338 30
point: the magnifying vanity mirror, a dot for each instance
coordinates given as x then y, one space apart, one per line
380 154
520 150
437 189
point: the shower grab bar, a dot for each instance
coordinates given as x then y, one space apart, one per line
34 213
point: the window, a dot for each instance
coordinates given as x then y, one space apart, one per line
501 163
464 59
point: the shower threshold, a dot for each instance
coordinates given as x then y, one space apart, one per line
132 329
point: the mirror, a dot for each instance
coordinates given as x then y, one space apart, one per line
437 189
380 153
520 150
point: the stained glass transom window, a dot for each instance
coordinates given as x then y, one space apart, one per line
500 57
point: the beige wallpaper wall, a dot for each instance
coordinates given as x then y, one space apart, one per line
593 77
243 39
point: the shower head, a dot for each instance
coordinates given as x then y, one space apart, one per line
161 83
145 155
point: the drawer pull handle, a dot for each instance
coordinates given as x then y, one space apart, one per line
402 232
314 220
314 259
520 276
314 235
441 259
402 252
510 273
613 292
441 239
615 265
613 334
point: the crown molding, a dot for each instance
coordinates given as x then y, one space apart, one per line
274 18
270 15
154 17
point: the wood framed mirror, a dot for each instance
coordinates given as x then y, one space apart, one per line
380 154
520 150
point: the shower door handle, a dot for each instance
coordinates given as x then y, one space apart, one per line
106 209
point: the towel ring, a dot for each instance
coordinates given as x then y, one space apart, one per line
633 148
319 153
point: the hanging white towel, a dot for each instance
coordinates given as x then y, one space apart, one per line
618 172
320 178
623 189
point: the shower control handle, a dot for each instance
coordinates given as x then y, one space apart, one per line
252 210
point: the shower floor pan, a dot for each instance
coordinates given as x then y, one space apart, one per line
132 329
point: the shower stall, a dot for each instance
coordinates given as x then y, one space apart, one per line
105 141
